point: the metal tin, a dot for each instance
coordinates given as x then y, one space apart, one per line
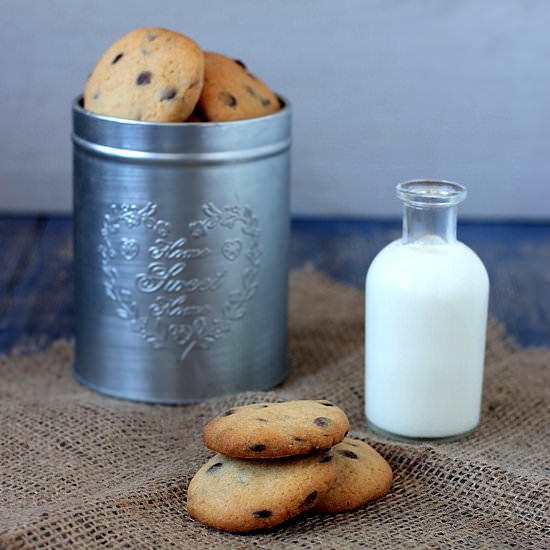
181 255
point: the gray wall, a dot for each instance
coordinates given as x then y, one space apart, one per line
383 90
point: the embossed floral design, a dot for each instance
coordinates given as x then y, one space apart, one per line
129 248
170 320
162 228
231 249
197 229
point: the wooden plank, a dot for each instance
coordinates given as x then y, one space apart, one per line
17 236
517 257
39 307
36 279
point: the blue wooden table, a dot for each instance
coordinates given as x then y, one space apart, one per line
36 304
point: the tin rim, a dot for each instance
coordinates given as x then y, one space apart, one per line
79 108
181 142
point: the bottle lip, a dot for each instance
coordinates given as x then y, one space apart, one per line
431 193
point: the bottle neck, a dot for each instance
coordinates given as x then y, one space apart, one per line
429 224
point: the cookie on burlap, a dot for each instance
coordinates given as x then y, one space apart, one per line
230 92
362 475
274 430
237 495
149 74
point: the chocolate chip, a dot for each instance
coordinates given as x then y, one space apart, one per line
266 102
321 421
257 448
327 458
347 454
229 412
151 36
239 62
310 499
346 434
262 514
214 467
143 78
168 94
250 91
326 403
262 420
227 99
117 58
298 439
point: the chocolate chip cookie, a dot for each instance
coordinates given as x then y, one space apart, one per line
274 430
150 74
361 476
239 495
231 92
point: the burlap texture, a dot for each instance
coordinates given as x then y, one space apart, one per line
79 470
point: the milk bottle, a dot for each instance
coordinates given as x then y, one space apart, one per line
426 318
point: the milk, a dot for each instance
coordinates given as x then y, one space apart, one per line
426 315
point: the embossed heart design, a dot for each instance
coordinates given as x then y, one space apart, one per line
231 249
168 309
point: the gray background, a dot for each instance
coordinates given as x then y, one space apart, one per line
383 90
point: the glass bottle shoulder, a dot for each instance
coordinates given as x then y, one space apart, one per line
432 262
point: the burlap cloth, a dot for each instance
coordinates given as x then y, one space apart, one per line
79 470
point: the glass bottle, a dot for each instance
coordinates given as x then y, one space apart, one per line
425 321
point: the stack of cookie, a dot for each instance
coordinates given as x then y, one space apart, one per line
277 460
157 75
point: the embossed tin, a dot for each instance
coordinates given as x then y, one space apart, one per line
181 255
